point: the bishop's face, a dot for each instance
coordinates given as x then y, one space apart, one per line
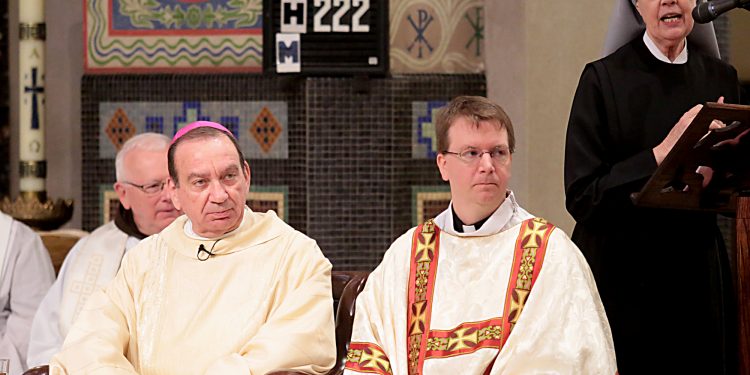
212 185
667 21
478 187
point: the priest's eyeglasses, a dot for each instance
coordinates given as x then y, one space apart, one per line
499 155
150 189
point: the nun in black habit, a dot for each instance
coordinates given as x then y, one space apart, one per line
662 274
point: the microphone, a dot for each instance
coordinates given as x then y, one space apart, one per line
706 12
201 250
208 253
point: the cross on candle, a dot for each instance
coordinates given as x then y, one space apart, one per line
34 89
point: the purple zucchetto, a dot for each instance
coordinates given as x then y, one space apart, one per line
199 124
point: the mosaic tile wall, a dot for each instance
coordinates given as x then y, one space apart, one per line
259 126
358 151
428 202
100 91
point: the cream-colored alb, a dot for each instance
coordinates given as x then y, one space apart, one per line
261 302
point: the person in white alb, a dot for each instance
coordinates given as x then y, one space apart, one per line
485 287
25 275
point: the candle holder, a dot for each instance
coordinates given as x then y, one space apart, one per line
32 206
35 210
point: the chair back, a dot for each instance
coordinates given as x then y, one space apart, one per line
59 242
39 370
346 286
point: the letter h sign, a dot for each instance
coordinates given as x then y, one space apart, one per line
293 16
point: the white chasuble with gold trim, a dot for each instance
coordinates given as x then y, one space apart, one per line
560 327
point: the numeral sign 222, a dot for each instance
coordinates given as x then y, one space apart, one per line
341 7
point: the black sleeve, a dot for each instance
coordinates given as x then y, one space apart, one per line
595 180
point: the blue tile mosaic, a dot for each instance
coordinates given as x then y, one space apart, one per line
260 126
424 144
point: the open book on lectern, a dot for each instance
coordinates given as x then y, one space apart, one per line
676 184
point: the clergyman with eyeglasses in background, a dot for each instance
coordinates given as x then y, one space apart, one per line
145 209
485 287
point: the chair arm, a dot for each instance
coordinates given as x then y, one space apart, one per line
38 370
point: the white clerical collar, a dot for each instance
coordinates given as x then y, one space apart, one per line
507 215
188 228
680 59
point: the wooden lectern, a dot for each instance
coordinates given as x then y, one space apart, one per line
676 185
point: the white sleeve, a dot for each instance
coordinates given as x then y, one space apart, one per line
46 338
30 273
563 328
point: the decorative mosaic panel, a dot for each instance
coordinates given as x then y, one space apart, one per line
428 202
437 36
247 89
109 201
127 36
259 198
265 198
424 143
260 127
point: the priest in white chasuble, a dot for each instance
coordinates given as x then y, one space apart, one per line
25 275
222 290
485 287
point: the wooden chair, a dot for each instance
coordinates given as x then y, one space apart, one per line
59 242
346 286
39 370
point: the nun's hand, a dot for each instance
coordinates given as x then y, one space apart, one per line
663 148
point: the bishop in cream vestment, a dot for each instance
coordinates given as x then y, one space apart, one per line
261 301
